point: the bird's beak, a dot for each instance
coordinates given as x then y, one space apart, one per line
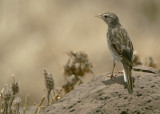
99 16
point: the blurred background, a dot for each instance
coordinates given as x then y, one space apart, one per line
36 34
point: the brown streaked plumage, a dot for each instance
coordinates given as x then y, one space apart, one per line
120 46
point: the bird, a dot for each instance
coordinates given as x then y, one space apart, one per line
120 47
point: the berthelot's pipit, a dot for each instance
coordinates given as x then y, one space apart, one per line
120 46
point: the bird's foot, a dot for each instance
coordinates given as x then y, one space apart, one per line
120 72
113 76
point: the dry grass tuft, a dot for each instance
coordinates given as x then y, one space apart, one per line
10 105
77 66
148 61
50 87
49 82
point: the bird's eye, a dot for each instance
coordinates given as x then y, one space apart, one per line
106 16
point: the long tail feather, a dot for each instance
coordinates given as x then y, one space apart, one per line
128 77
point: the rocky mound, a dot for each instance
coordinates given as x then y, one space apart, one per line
106 96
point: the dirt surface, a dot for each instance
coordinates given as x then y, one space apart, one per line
105 96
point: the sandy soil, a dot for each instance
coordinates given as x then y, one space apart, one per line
105 96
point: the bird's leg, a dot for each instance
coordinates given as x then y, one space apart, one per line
119 72
112 76
114 65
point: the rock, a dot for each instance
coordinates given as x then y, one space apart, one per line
106 96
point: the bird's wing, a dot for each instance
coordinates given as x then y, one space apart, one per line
122 44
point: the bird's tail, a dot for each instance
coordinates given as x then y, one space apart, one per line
128 77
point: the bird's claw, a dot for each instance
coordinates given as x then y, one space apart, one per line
112 76
120 72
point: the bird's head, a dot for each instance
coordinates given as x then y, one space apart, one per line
110 18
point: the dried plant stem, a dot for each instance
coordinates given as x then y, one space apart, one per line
48 97
5 110
25 105
55 98
10 104
17 110
1 95
40 104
